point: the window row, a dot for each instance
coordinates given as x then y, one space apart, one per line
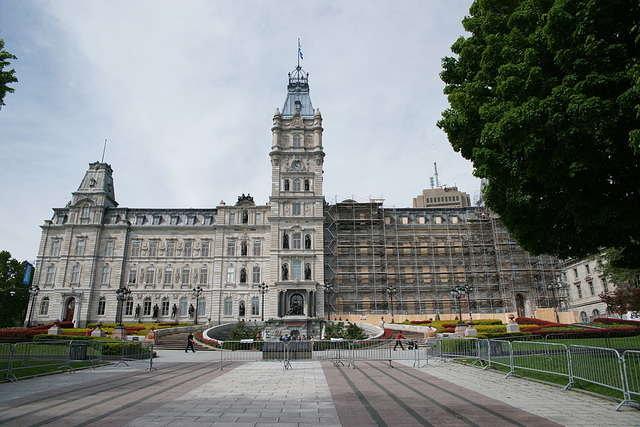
294 272
298 185
158 219
171 249
228 307
295 241
168 275
244 218
243 246
243 275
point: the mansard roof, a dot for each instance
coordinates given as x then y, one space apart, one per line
298 95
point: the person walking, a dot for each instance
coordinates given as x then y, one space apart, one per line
189 343
398 341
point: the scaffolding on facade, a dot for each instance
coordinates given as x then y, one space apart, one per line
421 254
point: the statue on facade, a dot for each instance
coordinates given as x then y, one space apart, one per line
174 311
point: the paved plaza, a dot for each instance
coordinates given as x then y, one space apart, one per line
191 390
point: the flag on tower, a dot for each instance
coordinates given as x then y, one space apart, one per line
300 50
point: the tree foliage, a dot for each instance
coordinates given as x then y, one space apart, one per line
14 296
622 300
545 101
6 77
615 268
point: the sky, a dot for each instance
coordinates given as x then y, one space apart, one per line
185 92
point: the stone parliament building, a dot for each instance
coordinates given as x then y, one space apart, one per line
317 258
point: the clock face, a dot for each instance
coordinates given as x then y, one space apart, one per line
296 165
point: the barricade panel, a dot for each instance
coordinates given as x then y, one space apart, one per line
6 353
600 366
541 357
631 360
34 358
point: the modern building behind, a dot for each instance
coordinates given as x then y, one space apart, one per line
363 254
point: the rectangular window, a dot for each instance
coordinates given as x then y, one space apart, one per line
205 249
55 248
168 275
153 249
230 274
147 308
204 275
140 220
605 286
108 248
255 306
202 306
135 248
575 272
133 273
105 274
171 249
256 274
257 248
579 288
296 209
297 270
151 272
588 268
85 212
258 218
157 219
187 249
296 241
186 272
51 272
232 218
231 248
228 306
591 289
75 274
44 306
80 247
165 307
128 308
102 304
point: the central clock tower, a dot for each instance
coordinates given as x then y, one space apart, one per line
296 213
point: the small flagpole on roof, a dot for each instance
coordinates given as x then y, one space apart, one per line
104 149
299 53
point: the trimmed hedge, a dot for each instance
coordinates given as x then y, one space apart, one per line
607 321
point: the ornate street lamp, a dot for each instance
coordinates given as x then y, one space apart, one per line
390 291
329 289
553 287
122 294
262 287
457 293
197 293
34 291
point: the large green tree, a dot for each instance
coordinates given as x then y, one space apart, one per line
14 296
6 77
545 101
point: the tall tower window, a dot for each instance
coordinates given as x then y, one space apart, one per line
51 272
231 248
297 139
257 248
75 274
230 274
135 248
296 209
228 306
258 219
151 272
168 275
171 249
205 249
297 270
232 218
102 304
44 306
187 248
296 184
256 274
105 274
165 307
80 247
297 241
133 272
153 249
108 249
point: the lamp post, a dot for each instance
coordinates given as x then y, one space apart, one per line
34 291
328 288
197 293
122 294
457 293
553 287
262 287
390 291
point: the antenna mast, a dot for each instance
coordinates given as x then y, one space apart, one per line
435 167
104 149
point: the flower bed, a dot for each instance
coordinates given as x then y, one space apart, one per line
607 321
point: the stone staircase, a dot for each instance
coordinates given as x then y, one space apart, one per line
178 342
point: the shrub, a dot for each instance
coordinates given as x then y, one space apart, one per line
607 321
534 321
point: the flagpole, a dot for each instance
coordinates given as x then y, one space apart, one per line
298 52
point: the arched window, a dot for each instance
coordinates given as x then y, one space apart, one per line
183 306
133 273
307 185
102 304
596 312
165 307
243 275
584 317
228 306
44 306
286 185
307 241
296 184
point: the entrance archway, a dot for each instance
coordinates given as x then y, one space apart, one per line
70 310
520 305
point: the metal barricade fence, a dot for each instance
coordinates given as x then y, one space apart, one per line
30 355
499 352
543 357
337 351
601 366
6 354
252 351
631 368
